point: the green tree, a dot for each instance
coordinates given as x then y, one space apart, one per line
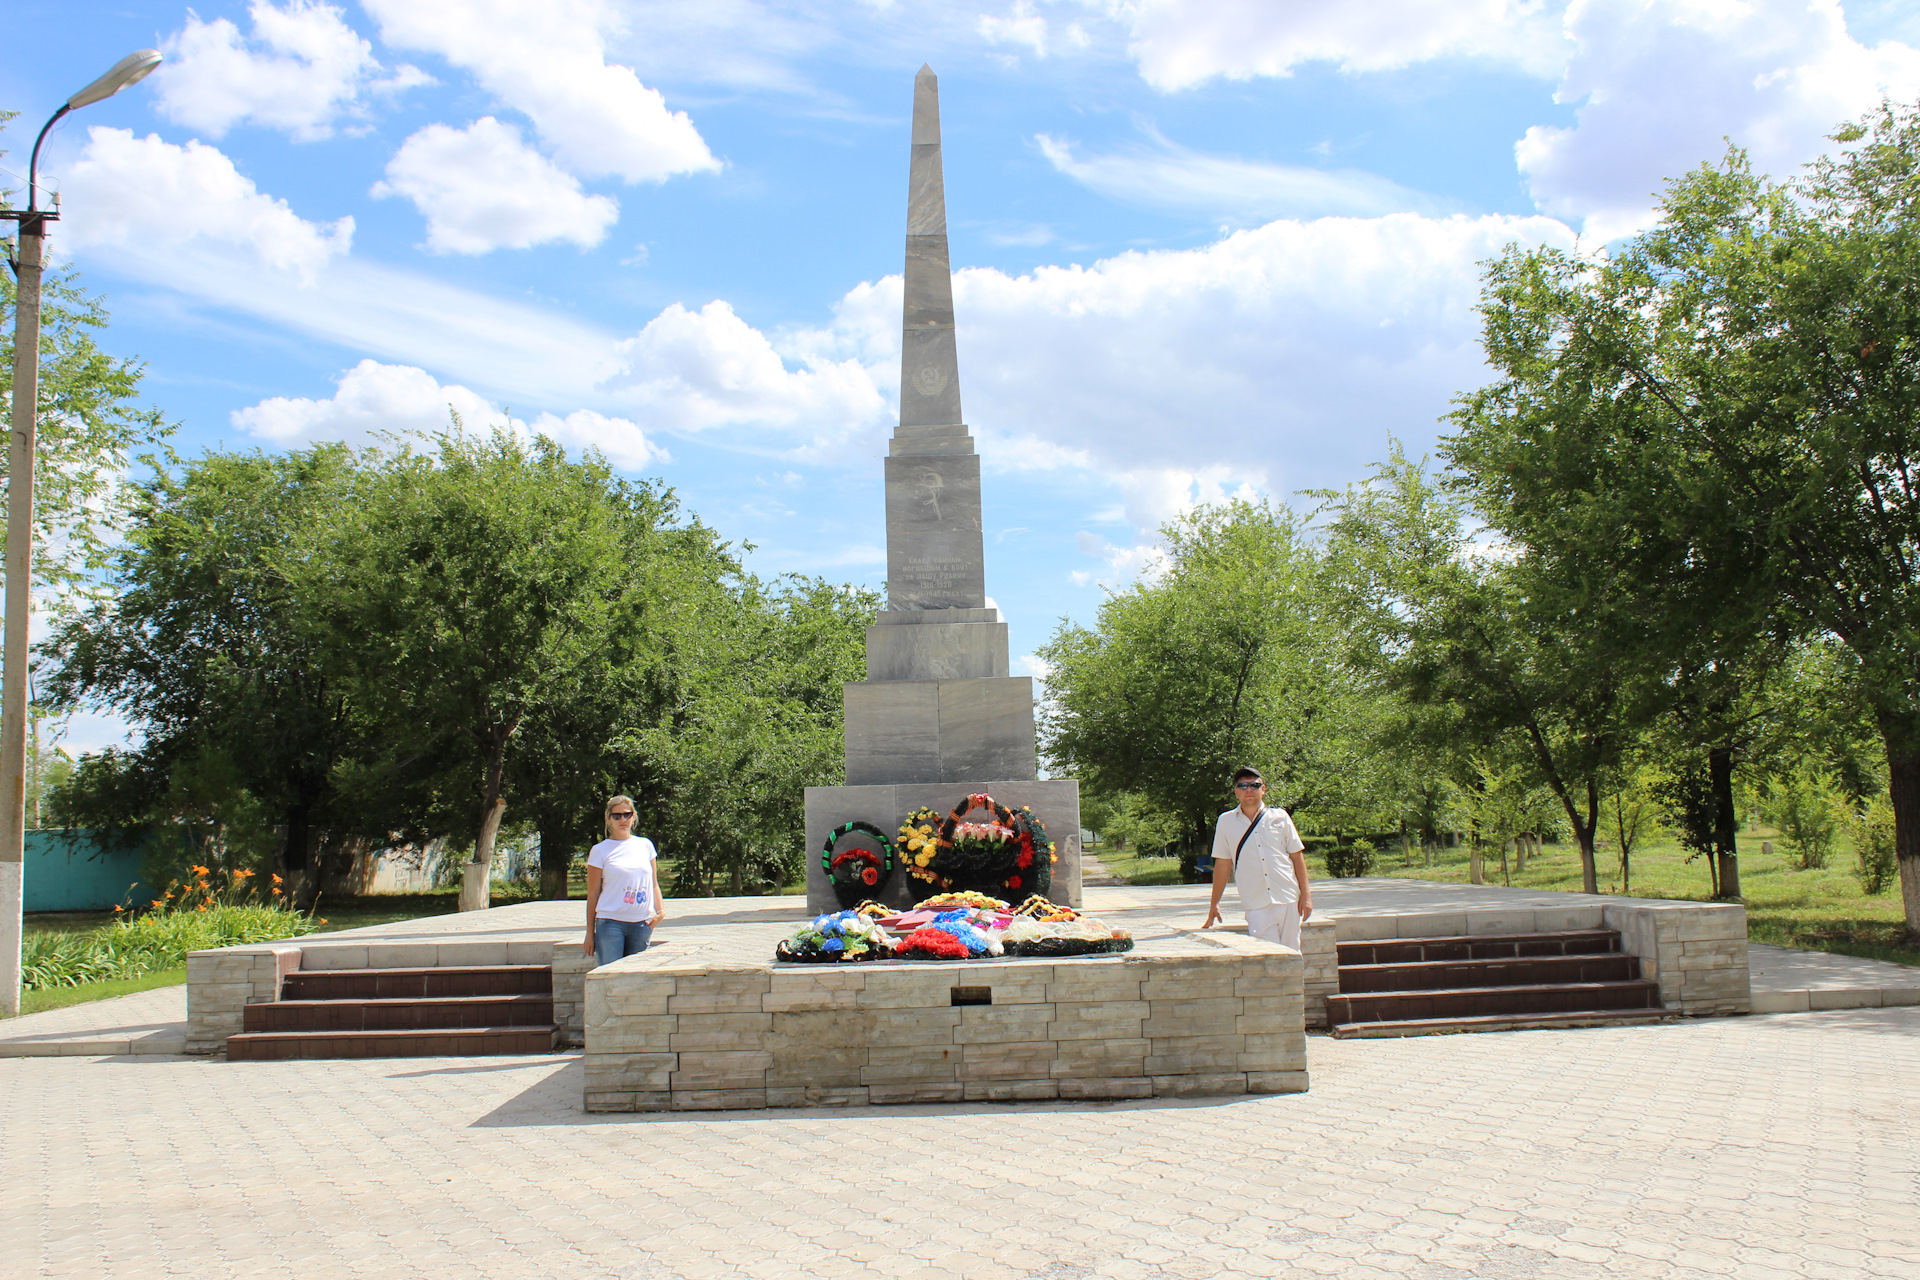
90 425
1221 660
206 648
1734 395
463 590
1487 634
752 719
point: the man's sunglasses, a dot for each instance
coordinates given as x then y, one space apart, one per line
621 817
1248 786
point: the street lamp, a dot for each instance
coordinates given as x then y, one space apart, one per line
19 562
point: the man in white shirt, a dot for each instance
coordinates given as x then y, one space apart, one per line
1260 851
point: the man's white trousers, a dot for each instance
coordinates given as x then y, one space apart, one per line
1279 924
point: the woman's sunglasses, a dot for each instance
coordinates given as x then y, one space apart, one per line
621 817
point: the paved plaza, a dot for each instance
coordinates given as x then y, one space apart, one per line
1768 1146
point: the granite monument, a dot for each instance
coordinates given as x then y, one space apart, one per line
939 716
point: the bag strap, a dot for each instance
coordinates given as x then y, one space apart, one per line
1247 834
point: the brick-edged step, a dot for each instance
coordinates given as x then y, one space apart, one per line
396 984
1499 1022
1477 1002
424 1013
432 1042
1420 975
1483 946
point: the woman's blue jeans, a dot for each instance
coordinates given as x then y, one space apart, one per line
614 939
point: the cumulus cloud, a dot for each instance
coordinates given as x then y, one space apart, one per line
483 188
1661 83
147 195
1280 357
691 370
1165 175
595 116
622 441
373 400
300 70
1182 43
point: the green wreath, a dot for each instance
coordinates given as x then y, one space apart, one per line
1034 863
857 873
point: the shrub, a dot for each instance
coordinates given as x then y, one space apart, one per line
1807 807
190 917
1351 862
1871 830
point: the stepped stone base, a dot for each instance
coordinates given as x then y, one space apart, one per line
1184 1015
1056 802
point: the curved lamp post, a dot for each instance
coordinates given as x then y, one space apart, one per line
19 562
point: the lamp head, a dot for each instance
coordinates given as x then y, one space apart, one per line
129 70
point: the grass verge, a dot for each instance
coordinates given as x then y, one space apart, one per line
40 1000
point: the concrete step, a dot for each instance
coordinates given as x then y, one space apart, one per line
1500 1022
423 1014
1488 946
399 984
1477 1002
443 1042
1505 972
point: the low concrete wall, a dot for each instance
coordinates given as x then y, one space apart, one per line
1696 951
1218 1015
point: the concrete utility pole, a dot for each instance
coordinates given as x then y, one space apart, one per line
19 563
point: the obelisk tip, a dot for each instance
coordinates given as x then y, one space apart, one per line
926 107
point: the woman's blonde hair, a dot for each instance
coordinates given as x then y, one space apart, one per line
606 818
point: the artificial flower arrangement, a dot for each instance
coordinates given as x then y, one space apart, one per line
1010 853
951 935
948 901
1081 936
836 938
854 871
1038 908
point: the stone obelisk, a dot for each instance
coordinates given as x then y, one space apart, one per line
938 717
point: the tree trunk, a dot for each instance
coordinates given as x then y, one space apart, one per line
556 859
1520 845
1725 824
1474 875
1903 769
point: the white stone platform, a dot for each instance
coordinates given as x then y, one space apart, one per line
1698 950
713 1022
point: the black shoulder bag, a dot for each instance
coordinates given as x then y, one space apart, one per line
1247 835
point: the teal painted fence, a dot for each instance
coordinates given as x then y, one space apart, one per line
65 872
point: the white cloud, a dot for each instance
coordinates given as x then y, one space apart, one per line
548 59
302 68
1165 175
1661 83
690 370
147 195
375 399
623 443
1182 43
1021 26
483 188
372 398
1280 357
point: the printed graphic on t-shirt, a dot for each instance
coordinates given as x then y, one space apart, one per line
635 896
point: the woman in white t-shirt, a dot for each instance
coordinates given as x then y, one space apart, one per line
623 888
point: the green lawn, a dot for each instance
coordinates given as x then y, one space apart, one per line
60 997
1820 910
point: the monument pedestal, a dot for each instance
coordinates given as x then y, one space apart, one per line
1055 801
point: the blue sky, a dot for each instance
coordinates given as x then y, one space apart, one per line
1202 247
